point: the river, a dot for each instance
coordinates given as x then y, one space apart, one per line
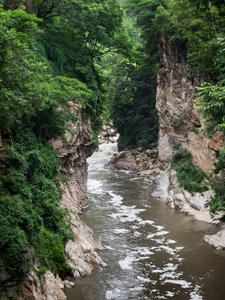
153 251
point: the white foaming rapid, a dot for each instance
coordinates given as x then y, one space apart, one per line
102 156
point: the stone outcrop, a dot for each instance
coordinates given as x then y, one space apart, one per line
73 151
179 120
82 253
216 240
168 190
179 126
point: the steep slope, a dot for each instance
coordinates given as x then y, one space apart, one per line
81 253
179 120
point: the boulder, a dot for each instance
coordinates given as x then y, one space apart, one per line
68 284
216 240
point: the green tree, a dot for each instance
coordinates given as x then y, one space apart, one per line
26 87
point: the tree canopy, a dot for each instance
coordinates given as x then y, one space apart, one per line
47 61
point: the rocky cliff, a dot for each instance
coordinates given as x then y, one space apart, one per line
179 120
179 124
73 150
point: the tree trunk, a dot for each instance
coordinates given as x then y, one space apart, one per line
30 7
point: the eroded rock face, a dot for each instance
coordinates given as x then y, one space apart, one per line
179 120
73 150
82 253
168 190
216 240
73 154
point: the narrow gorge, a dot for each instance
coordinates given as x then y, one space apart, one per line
112 160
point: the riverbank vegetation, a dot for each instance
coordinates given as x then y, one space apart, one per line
190 177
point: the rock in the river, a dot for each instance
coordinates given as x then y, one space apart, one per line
68 284
216 240
137 160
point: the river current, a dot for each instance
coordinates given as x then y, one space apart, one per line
153 251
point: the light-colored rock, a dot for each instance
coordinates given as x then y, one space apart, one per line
68 284
216 240
31 288
168 190
179 121
126 161
53 287
81 253
198 200
164 147
137 160
126 164
217 141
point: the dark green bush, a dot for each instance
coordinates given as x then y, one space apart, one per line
217 202
31 217
50 251
190 177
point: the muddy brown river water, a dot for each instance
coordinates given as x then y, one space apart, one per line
153 252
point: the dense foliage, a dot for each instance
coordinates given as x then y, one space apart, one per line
31 217
218 201
190 177
133 89
133 108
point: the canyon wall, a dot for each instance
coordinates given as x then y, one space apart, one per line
179 125
73 150
179 121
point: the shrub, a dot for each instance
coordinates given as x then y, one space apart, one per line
217 203
50 250
42 270
176 146
190 177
